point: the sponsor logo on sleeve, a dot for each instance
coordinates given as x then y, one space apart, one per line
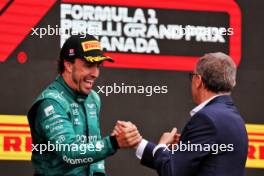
49 110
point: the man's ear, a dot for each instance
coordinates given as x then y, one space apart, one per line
199 82
68 66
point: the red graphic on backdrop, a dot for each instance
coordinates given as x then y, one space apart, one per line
4 5
16 20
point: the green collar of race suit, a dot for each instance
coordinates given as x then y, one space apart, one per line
75 95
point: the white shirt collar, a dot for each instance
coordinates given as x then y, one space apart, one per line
202 105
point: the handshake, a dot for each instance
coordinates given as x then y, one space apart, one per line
128 136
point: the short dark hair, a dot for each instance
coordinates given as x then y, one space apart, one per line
218 72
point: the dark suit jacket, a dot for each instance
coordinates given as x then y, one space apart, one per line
217 123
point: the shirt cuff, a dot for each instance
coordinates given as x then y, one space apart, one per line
141 147
158 147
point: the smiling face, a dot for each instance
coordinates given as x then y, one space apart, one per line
80 75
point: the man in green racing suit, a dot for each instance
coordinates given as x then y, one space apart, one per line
64 118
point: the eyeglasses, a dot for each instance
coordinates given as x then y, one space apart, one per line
191 75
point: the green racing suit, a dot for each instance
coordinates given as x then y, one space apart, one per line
66 137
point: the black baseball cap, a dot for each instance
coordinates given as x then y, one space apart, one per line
83 47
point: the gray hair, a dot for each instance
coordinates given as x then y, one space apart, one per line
218 72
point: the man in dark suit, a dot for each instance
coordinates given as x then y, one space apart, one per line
214 141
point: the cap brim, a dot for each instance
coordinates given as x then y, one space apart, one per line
93 59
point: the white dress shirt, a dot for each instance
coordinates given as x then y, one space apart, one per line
142 145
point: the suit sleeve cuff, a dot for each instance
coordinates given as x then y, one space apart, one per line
158 147
141 147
